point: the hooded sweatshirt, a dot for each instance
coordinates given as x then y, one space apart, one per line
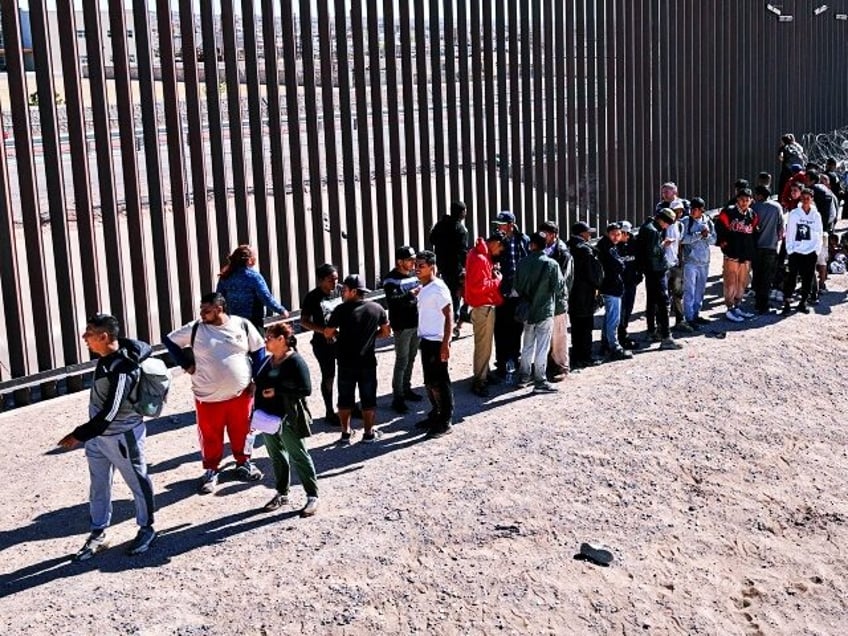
735 232
803 231
696 248
482 287
110 411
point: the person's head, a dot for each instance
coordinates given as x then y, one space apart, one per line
405 259
101 333
813 176
795 168
538 241
327 277
764 178
550 230
761 193
744 199
213 308
664 217
678 207
741 184
242 256
787 138
795 189
583 230
830 164
505 222
626 230
353 288
668 191
425 266
614 232
697 207
280 339
812 165
495 244
806 198
458 210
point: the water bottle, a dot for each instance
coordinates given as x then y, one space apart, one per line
248 443
510 372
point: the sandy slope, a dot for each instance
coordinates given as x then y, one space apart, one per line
718 474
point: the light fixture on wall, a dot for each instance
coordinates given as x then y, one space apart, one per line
820 9
841 16
773 9
785 18
781 17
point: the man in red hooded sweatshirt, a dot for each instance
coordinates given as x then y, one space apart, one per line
482 294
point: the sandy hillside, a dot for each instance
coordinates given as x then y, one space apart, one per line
717 474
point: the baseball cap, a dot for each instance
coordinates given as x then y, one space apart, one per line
503 218
580 227
404 252
354 281
626 226
677 204
538 239
666 215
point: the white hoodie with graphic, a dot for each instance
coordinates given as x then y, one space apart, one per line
804 231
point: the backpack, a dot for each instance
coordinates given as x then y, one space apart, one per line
150 393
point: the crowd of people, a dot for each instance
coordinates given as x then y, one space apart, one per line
531 301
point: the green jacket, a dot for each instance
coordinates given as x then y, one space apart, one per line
539 280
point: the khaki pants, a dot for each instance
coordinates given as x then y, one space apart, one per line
735 281
483 323
559 342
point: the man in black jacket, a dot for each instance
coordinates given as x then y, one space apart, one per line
588 275
612 290
449 238
402 286
653 263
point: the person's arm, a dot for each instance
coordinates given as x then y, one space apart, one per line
444 352
176 343
121 382
267 299
385 329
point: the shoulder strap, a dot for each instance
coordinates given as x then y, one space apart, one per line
194 329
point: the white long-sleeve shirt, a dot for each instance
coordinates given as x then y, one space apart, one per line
804 231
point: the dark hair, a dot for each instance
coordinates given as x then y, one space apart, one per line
787 138
457 209
762 191
807 191
764 175
282 329
428 256
813 176
549 226
325 270
105 323
214 298
240 257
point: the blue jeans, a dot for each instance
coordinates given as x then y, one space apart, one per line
612 316
694 283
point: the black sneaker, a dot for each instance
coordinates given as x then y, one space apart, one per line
479 389
803 308
95 543
399 406
374 436
146 536
494 378
345 439
619 354
424 424
248 471
412 396
441 431
786 310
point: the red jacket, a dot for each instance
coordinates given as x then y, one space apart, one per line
482 287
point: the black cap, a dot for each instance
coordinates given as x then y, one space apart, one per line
539 240
404 252
580 227
354 281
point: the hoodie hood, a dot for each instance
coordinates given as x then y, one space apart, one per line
481 247
135 350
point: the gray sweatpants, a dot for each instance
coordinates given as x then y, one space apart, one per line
124 451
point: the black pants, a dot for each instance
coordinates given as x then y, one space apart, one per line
581 338
507 334
325 353
803 265
438 384
451 279
656 307
765 264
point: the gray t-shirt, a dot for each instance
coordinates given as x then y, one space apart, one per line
770 224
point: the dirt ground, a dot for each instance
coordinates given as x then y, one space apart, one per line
717 475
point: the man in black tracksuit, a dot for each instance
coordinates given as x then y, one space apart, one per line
588 275
652 262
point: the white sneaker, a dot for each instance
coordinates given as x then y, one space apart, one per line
733 316
310 508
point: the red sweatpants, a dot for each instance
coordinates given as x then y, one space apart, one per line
213 418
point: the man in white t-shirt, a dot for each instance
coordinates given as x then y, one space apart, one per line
224 352
435 327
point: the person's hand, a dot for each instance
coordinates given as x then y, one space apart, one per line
444 353
705 232
68 441
190 370
285 313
